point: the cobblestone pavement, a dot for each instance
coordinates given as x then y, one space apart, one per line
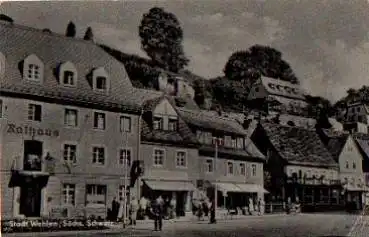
360 227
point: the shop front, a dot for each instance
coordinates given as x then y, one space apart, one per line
177 192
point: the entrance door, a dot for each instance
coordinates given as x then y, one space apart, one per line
30 199
32 155
181 199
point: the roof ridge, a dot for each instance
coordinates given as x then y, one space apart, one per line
40 31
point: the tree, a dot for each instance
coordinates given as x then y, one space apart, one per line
89 35
71 30
161 38
316 104
258 60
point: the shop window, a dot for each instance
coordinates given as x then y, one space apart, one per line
69 153
99 120
69 194
181 159
125 157
159 157
71 117
125 124
95 194
34 112
98 155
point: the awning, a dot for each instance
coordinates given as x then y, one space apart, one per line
352 188
22 178
170 185
228 187
252 188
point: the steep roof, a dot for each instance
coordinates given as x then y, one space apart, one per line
362 140
209 120
298 145
18 42
182 136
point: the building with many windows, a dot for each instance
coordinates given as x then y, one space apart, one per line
227 159
69 118
301 167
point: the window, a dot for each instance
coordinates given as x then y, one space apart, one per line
125 124
121 192
69 153
69 194
347 165
353 165
242 169
209 166
99 120
240 142
125 157
33 72
101 83
71 117
234 142
253 168
181 160
158 123
172 124
68 79
158 157
98 155
95 194
34 112
230 167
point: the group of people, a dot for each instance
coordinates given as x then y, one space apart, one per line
202 208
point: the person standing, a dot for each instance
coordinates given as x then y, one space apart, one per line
134 208
157 211
143 207
114 209
173 208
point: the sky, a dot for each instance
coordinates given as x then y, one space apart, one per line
326 42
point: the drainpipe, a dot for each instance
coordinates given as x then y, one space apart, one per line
138 196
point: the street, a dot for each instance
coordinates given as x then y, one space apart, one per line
273 226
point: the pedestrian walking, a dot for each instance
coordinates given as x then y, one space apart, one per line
173 207
133 210
143 207
157 211
251 206
261 206
212 212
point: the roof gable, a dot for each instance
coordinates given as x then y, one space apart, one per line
164 107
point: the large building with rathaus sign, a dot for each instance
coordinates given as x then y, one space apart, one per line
68 115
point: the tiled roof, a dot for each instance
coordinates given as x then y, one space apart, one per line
209 120
297 145
18 42
335 146
364 146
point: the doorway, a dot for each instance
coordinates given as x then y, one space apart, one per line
30 199
181 200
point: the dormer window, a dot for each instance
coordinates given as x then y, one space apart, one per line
100 80
69 79
101 83
172 124
33 68
158 123
33 72
68 74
